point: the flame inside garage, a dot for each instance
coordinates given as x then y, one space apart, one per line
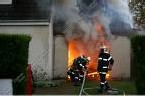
88 47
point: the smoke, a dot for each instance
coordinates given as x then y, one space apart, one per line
115 15
94 24
120 17
121 9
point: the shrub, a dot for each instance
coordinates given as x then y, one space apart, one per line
138 48
14 59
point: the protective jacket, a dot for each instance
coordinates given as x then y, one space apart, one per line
103 62
80 63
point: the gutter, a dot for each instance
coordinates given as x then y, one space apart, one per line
24 22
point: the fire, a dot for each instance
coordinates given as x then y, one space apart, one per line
96 74
89 48
68 78
108 76
93 74
73 52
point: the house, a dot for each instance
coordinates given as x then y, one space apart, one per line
48 51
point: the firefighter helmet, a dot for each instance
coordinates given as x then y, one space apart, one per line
82 56
103 49
89 58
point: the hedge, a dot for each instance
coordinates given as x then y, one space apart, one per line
138 48
14 59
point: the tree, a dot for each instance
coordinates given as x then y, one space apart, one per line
138 10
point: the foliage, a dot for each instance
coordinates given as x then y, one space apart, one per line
14 59
138 10
45 84
138 46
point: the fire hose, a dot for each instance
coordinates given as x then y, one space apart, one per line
83 84
83 90
113 91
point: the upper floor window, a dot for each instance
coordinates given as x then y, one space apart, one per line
5 2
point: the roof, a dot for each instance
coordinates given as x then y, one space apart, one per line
26 10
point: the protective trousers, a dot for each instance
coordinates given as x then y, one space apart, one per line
103 82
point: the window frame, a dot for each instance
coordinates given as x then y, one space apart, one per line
7 4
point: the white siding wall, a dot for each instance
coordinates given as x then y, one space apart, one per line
38 49
121 54
61 57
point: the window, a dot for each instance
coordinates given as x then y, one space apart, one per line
5 2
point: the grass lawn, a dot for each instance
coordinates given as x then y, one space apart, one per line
128 87
67 88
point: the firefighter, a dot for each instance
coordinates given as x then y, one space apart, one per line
71 74
81 62
81 66
105 63
78 67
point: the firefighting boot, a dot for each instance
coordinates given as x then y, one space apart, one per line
101 89
107 87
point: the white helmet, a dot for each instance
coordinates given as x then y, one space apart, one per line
103 48
89 58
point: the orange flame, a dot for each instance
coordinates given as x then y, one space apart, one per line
96 74
90 48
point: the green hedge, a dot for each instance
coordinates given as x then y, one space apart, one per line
138 48
14 59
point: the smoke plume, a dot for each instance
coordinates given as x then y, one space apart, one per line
91 23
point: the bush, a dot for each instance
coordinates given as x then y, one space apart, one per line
138 48
14 59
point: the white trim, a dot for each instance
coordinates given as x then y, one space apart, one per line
105 67
5 2
109 58
24 22
102 72
100 58
81 65
105 59
50 64
81 75
102 82
106 52
76 78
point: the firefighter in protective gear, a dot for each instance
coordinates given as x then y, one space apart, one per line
81 62
105 63
79 65
71 73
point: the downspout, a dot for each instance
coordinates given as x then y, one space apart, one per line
50 49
